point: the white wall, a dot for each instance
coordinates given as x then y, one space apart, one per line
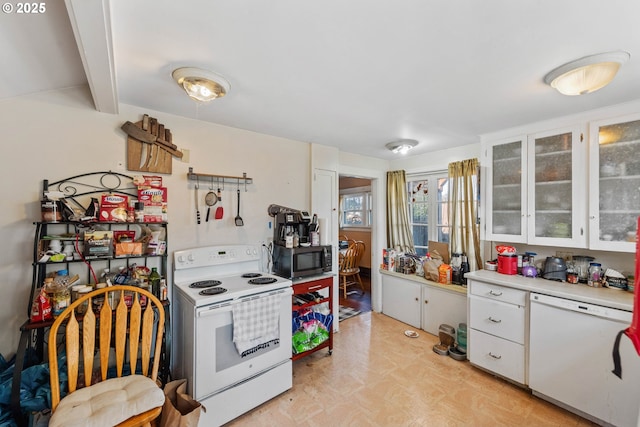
58 134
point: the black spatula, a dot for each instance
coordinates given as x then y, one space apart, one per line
239 221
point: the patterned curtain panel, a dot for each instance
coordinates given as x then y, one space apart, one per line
463 215
399 234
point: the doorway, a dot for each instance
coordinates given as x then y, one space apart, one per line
356 221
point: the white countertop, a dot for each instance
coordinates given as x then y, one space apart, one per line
415 278
606 297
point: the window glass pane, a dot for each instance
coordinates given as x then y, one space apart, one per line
420 235
353 202
419 191
353 218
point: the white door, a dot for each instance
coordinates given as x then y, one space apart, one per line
324 203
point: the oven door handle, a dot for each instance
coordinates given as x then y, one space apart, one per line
213 310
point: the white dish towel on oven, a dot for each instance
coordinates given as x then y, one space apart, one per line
256 323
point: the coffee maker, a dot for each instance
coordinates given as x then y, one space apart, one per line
286 221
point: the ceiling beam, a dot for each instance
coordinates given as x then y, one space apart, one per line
91 23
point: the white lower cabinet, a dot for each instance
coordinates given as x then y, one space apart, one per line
498 330
401 299
442 306
416 302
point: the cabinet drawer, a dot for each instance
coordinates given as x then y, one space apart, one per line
499 293
497 355
497 318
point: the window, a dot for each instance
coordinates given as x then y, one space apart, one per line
355 208
428 196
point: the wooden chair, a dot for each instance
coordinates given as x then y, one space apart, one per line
130 399
349 266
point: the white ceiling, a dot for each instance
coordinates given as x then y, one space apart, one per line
352 74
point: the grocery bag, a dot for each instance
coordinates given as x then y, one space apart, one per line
179 409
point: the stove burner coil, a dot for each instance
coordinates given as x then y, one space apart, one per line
263 281
251 275
205 284
213 291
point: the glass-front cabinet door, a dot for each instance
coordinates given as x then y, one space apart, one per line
556 196
506 184
614 184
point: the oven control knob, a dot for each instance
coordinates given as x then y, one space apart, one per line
248 251
191 257
180 258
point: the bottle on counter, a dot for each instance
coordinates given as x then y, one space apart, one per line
296 239
456 263
154 281
595 275
464 268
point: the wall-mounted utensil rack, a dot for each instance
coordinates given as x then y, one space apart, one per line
204 178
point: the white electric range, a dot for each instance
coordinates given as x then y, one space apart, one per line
218 291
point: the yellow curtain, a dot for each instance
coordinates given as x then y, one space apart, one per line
465 230
399 234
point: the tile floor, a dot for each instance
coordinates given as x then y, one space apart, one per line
377 376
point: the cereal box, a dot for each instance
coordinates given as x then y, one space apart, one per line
155 204
147 181
98 244
113 208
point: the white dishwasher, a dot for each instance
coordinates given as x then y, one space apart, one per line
571 363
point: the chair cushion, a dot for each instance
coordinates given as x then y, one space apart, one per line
108 403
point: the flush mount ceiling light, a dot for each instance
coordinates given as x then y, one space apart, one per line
586 75
401 146
201 85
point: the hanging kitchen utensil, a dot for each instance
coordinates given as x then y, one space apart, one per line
239 221
210 199
219 211
197 208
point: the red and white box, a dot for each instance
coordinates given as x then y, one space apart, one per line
147 181
155 204
113 208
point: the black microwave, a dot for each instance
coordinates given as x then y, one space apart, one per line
293 263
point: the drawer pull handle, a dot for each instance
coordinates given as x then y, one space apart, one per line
491 319
495 294
495 356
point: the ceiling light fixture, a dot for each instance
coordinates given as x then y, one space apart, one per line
401 146
201 85
588 74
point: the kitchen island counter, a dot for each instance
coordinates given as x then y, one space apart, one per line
606 297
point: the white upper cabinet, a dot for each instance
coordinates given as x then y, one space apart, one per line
505 195
536 188
614 183
556 192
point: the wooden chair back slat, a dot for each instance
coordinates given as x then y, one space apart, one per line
134 332
88 344
147 333
105 336
120 335
73 351
136 325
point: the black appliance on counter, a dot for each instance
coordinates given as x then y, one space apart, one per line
555 268
291 221
293 263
